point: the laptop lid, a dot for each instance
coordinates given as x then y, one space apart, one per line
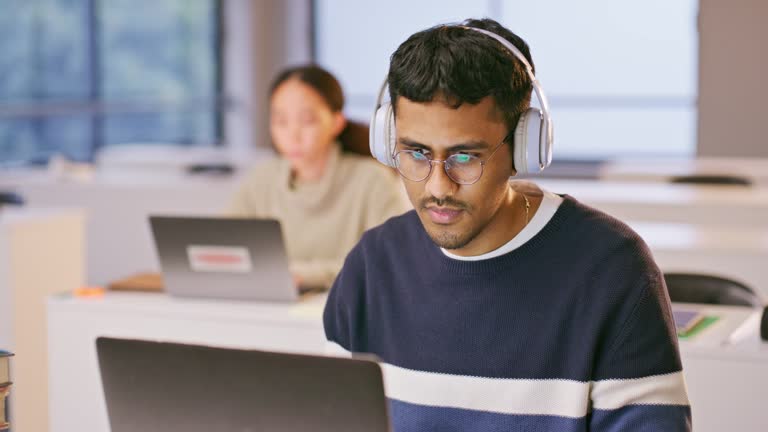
225 258
160 387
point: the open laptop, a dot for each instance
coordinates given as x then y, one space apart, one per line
224 258
161 387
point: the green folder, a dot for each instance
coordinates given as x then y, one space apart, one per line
698 328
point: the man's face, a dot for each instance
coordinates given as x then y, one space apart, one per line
464 218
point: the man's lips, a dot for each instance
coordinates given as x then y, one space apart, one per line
444 215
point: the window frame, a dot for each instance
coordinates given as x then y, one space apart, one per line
96 109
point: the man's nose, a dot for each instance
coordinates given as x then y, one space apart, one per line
439 185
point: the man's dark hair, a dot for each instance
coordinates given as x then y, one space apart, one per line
462 66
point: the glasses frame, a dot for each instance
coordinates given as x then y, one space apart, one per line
445 165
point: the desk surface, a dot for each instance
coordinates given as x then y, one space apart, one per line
76 398
655 193
736 333
307 311
74 323
662 169
693 237
737 330
725 371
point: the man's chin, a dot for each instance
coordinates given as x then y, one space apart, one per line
447 239
446 236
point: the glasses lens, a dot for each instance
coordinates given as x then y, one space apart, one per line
464 168
412 165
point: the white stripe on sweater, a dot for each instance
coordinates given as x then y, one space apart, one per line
666 389
508 396
556 397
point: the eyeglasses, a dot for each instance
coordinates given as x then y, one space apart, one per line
462 168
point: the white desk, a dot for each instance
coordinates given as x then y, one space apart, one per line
662 202
717 375
41 252
736 252
727 379
663 169
76 399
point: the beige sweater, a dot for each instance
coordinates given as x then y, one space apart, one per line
322 221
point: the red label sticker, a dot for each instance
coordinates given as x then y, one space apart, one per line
219 259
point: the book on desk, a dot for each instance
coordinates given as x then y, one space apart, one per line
689 322
144 282
5 387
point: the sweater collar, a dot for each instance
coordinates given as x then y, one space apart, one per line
452 266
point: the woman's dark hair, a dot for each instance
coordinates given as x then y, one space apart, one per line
462 66
354 137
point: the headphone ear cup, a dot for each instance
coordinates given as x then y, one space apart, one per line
527 138
382 134
764 325
391 135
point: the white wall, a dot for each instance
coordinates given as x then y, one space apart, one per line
620 76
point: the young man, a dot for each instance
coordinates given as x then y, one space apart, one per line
495 305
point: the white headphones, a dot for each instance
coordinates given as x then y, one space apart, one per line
533 133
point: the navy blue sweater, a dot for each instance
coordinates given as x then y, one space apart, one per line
572 331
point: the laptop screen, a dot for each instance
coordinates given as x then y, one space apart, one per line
154 387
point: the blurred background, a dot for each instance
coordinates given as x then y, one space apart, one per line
114 110
78 76
625 80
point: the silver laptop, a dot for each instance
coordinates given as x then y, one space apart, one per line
223 258
161 387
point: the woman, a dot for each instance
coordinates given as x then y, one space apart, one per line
324 196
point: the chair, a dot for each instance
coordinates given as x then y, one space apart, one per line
708 289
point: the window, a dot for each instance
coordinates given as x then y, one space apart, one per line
620 76
76 75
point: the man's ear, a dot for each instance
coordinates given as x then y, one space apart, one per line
512 157
510 143
339 123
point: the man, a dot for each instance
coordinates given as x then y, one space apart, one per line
495 305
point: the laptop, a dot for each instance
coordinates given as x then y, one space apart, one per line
161 387
224 258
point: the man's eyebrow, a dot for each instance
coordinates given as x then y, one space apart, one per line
407 142
464 146
469 145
